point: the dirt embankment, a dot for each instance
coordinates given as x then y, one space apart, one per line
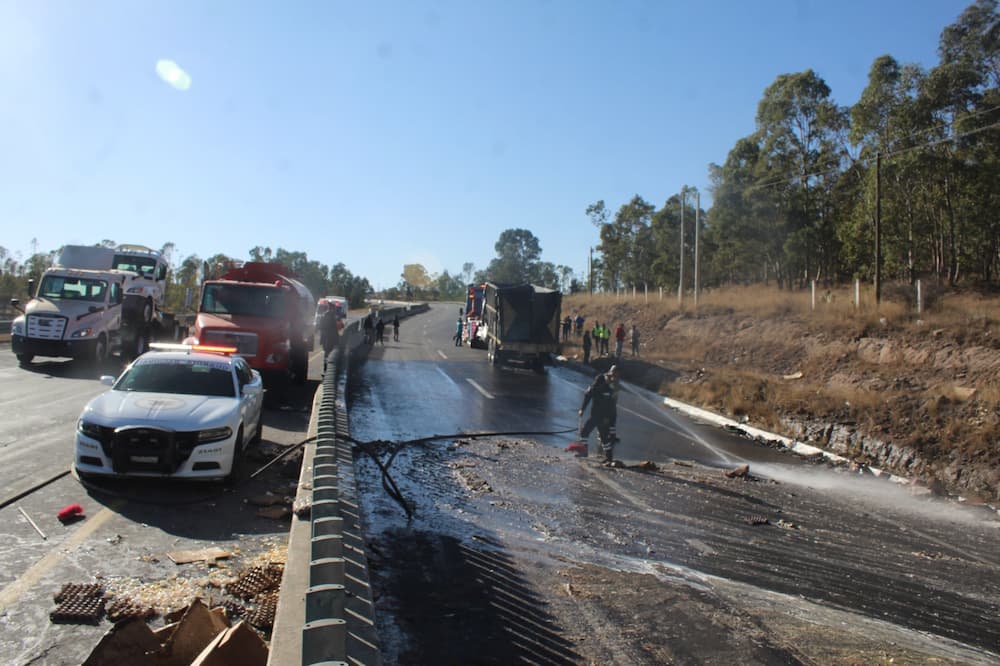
918 397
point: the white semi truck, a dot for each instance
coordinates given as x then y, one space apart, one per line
95 302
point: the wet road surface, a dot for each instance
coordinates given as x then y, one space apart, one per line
826 543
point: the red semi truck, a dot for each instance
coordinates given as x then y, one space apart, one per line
263 311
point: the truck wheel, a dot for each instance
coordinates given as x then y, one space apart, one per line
299 366
100 352
25 359
147 311
141 344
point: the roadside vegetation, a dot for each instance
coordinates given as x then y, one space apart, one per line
925 383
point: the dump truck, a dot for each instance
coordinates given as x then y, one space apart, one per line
264 312
520 324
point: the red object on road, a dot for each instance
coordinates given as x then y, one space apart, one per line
70 513
579 448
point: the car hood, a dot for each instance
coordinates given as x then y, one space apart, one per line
168 410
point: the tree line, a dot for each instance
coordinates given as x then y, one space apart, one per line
798 199
518 260
186 276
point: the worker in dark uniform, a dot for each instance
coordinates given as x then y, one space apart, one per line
329 334
602 395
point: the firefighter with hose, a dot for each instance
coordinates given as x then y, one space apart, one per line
602 396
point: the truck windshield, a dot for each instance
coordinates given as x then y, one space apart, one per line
237 299
58 287
142 265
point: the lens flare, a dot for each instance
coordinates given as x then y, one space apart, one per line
173 75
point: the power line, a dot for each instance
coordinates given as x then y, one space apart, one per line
868 160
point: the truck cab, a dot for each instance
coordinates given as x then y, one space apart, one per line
75 313
144 293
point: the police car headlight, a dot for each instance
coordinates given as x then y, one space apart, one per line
83 333
214 434
89 429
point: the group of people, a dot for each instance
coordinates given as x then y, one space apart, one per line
373 327
601 337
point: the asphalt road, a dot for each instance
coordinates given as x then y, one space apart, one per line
834 545
130 526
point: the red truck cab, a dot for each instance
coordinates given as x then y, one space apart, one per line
263 311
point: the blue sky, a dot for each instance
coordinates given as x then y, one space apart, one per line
383 133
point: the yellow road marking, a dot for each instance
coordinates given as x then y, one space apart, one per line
12 593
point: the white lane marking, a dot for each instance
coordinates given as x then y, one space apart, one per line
666 426
479 388
441 354
10 594
445 375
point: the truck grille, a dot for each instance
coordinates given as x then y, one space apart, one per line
245 343
46 327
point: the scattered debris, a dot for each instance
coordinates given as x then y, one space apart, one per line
209 555
794 375
741 472
757 520
267 607
237 645
302 507
129 609
195 630
274 512
83 607
128 642
786 524
569 590
71 590
70 514
28 518
115 540
683 463
648 465
268 499
579 448
256 580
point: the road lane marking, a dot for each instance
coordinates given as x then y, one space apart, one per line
441 354
12 593
479 388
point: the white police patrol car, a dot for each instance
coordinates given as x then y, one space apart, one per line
177 411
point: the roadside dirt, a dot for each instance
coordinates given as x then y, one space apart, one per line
917 397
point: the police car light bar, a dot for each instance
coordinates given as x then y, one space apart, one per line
176 346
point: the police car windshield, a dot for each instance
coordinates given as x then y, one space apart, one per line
188 377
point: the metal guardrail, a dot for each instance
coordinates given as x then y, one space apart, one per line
325 614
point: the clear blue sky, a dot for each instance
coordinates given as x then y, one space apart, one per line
383 133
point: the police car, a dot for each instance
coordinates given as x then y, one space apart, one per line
178 411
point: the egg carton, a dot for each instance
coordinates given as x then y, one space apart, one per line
79 610
256 581
263 616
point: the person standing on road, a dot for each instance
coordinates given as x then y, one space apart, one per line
619 339
395 328
586 347
380 331
635 340
566 325
602 395
605 339
579 325
367 326
329 334
458 333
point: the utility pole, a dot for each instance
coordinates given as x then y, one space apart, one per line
697 223
878 229
590 271
680 279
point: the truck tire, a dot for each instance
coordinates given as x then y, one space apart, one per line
25 359
140 345
147 311
99 354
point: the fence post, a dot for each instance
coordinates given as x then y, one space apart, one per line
920 302
813 285
857 294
